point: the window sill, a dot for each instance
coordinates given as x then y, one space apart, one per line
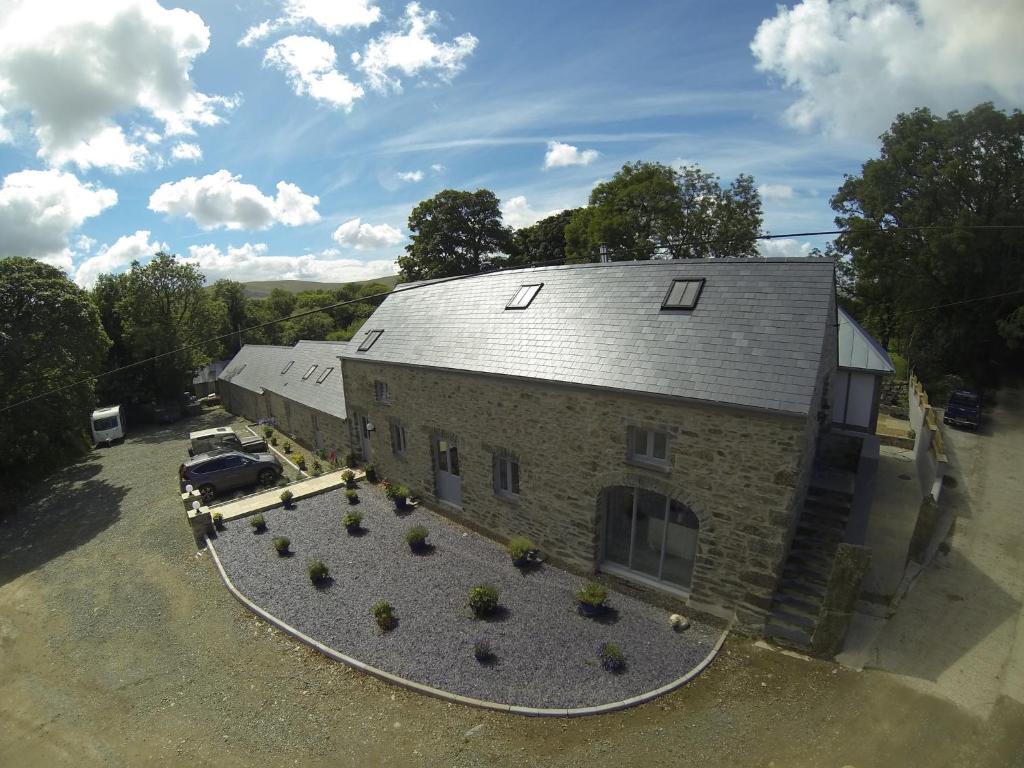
513 499
653 465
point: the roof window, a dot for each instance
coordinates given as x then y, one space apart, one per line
285 369
683 294
309 373
324 375
524 296
369 340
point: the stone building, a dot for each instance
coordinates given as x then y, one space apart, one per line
655 421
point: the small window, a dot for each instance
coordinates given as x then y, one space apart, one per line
287 367
397 439
380 392
309 373
683 294
506 476
523 297
648 445
369 340
324 375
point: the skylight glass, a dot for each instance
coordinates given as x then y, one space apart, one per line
285 369
524 296
309 373
369 340
683 294
324 375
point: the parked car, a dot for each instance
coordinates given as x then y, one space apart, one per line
963 409
205 440
219 471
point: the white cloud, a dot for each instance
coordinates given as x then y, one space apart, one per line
775 192
114 257
40 209
222 200
784 247
334 16
516 212
251 261
560 155
857 63
410 176
412 51
364 237
75 68
437 168
185 151
308 63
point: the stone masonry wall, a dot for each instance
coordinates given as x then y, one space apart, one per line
735 469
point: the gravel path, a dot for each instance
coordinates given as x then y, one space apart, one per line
545 650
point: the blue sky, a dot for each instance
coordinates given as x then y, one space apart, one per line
144 125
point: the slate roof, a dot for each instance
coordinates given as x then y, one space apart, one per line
755 338
254 365
858 349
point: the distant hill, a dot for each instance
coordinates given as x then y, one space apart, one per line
260 288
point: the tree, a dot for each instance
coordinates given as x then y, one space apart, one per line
541 242
454 233
925 225
650 210
231 296
50 337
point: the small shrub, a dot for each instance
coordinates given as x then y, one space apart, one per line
518 548
352 520
317 571
384 614
483 599
281 544
371 473
416 538
318 468
218 520
398 494
273 441
350 459
352 496
612 659
350 479
300 461
267 432
286 497
258 523
287 447
593 594
482 650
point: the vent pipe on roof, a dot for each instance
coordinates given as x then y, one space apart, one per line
604 254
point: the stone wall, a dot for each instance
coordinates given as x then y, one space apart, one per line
737 470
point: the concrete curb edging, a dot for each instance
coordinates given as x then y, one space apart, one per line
455 697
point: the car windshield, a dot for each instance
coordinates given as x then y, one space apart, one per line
107 422
964 398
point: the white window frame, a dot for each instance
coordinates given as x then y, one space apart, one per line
643 450
399 439
381 393
323 376
504 474
310 372
524 296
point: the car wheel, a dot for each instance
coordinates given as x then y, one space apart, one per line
267 476
208 492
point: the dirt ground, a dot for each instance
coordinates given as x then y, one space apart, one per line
120 646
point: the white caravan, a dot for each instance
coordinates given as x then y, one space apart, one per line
107 424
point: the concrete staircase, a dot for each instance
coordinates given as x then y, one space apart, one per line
822 525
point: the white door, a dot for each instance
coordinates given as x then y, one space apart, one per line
449 483
364 438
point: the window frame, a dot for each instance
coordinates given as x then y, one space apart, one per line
309 373
370 339
528 297
323 376
287 367
684 307
508 471
650 439
381 391
401 445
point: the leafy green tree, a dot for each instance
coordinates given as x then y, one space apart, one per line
50 336
650 210
541 242
231 296
925 225
454 233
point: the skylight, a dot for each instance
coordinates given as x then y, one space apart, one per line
324 375
285 369
524 296
369 340
683 294
309 373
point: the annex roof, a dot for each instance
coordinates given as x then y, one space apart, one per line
327 394
254 365
754 337
858 349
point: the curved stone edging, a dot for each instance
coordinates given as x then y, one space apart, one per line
448 695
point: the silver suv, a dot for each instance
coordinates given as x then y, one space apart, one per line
219 471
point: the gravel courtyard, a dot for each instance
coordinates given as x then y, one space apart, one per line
545 650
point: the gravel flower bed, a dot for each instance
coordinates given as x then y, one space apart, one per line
545 654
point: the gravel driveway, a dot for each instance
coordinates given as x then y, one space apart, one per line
545 651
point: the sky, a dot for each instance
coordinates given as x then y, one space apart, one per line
290 139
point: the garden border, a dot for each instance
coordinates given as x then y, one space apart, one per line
439 693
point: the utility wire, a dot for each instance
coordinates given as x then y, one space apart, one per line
423 284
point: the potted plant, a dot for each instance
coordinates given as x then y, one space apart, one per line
259 525
287 447
267 432
218 521
482 650
318 572
318 468
483 600
300 462
371 473
286 498
591 599
612 659
399 494
384 614
350 479
519 548
281 544
350 459
416 538
352 521
273 440
352 496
